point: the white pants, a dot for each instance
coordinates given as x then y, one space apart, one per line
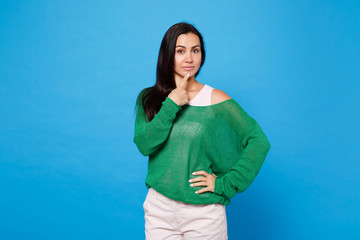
174 220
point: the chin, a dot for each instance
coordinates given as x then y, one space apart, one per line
183 74
192 73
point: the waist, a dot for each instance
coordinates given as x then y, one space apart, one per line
184 194
160 197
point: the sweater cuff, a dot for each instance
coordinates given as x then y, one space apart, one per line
168 110
169 102
219 186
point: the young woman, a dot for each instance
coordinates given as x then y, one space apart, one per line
203 147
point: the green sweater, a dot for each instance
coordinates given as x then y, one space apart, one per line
220 138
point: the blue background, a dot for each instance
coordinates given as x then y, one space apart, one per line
70 72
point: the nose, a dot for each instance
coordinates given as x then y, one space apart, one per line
188 57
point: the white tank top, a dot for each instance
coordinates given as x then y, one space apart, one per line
203 97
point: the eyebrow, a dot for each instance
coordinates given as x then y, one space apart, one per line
191 47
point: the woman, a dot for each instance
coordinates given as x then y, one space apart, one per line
203 147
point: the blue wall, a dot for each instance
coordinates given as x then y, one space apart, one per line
70 72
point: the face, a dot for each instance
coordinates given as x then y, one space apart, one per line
187 55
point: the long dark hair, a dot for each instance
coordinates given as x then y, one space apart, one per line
152 97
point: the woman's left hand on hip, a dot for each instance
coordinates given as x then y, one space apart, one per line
208 181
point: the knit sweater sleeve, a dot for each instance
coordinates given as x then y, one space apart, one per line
255 147
150 136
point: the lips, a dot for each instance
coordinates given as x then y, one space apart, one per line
188 68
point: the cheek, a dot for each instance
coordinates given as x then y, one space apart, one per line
198 60
177 60
198 57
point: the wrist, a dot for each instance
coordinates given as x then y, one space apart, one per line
172 102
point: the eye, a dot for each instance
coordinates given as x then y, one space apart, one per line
180 51
196 50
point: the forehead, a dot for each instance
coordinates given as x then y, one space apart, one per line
188 39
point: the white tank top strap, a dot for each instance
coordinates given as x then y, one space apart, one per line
203 98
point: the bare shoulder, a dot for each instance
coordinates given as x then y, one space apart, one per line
218 96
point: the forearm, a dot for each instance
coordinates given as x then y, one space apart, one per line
149 136
242 174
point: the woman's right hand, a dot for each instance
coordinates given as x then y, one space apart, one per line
179 95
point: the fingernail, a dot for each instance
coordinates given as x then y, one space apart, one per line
190 180
191 185
196 192
193 173
188 74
